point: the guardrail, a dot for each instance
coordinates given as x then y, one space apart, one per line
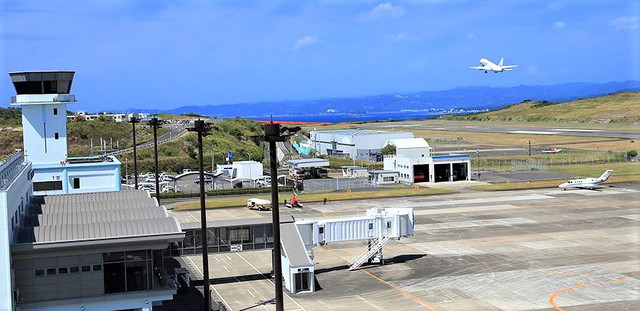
165 138
10 167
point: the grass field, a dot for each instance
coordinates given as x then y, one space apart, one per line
626 110
231 201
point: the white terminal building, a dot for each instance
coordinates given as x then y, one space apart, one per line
69 240
43 97
353 143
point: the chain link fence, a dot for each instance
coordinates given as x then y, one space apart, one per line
337 184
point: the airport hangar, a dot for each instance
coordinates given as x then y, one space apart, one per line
414 160
354 143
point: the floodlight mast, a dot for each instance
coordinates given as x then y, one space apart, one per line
203 129
274 133
156 123
135 119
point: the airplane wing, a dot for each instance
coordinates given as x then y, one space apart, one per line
478 67
509 67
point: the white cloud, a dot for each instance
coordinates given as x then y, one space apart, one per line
532 69
471 35
304 41
400 37
383 10
626 23
559 25
555 6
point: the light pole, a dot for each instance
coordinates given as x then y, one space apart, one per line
203 129
274 133
134 119
156 123
478 153
529 147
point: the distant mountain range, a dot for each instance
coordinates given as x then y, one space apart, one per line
457 100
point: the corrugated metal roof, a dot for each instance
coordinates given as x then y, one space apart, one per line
293 247
106 215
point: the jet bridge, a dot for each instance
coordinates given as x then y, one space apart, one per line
377 226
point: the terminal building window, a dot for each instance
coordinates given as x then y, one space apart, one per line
47 185
127 271
76 183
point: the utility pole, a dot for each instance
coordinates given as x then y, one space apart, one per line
274 133
134 119
203 129
155 123
478 153
529 147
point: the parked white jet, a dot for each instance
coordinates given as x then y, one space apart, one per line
487 65
586 183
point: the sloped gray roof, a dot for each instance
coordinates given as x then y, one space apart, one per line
293 247
99 216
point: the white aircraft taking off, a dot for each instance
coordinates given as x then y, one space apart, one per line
586 183
487 66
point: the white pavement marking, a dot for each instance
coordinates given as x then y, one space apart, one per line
476 223
194 217
216 258
213 287
225 267
484 200
577 130
228 257
455 210
632 217
254 268
254 296
535 132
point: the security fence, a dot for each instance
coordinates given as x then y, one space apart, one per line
337 184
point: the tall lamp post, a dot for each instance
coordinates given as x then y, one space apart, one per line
134 119
529 147
203 129
274 133
156 123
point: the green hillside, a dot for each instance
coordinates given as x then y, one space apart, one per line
227 135
621 108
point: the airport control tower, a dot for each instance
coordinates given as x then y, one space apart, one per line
43 97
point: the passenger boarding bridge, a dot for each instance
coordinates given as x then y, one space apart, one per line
299 237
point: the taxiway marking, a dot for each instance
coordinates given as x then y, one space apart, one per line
554 295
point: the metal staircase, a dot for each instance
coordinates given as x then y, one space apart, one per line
365 255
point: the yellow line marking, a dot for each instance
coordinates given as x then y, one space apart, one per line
408 295
553 297
325 214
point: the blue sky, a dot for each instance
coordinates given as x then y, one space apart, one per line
165 54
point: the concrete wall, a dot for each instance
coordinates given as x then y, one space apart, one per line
40 125
59 286
14 199
94 177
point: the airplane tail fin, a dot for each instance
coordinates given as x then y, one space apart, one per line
501 62
605 175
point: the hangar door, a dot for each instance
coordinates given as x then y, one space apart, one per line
421 173
459 171
441 172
